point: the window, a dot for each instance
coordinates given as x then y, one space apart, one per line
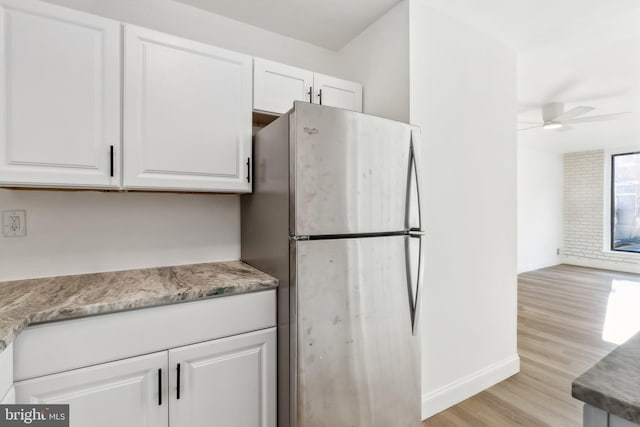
625 202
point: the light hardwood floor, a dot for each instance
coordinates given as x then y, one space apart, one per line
561 313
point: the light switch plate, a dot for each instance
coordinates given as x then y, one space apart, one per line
14 223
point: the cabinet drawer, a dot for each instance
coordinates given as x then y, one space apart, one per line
87 341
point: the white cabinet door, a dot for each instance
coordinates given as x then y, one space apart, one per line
187 114
337 92
276 86
59 97
228 382
125 393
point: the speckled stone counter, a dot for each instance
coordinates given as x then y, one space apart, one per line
24 302
613 384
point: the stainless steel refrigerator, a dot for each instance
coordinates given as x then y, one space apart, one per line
335 216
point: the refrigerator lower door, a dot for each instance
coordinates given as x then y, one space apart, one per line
355 359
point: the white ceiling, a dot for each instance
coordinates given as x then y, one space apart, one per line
597 66
524 24
327 23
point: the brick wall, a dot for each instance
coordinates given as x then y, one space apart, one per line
584 214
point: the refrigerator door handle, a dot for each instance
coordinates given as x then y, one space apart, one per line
417 297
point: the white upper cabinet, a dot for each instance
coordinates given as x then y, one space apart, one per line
337 92
59 97
187 114
276 86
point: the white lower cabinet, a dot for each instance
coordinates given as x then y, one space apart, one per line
228 382
123 393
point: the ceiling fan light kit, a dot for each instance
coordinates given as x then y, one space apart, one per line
555 117
551 125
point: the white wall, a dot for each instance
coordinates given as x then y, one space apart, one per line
540 180
187 21
85 232
463 95
379 59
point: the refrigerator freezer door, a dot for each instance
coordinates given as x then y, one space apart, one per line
356 360
351 173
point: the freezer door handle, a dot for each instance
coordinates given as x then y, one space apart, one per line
415 168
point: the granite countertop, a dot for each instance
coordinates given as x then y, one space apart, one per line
24 302
613 384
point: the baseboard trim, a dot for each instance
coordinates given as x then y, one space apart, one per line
457 391
604 265
537 266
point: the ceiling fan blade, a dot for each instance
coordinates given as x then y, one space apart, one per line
601 118
532 127
574 112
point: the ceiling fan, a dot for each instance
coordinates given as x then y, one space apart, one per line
555 117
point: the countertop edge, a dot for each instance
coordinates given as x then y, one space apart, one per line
613 383
61 313
624 409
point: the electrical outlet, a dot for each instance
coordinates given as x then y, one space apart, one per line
14 223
